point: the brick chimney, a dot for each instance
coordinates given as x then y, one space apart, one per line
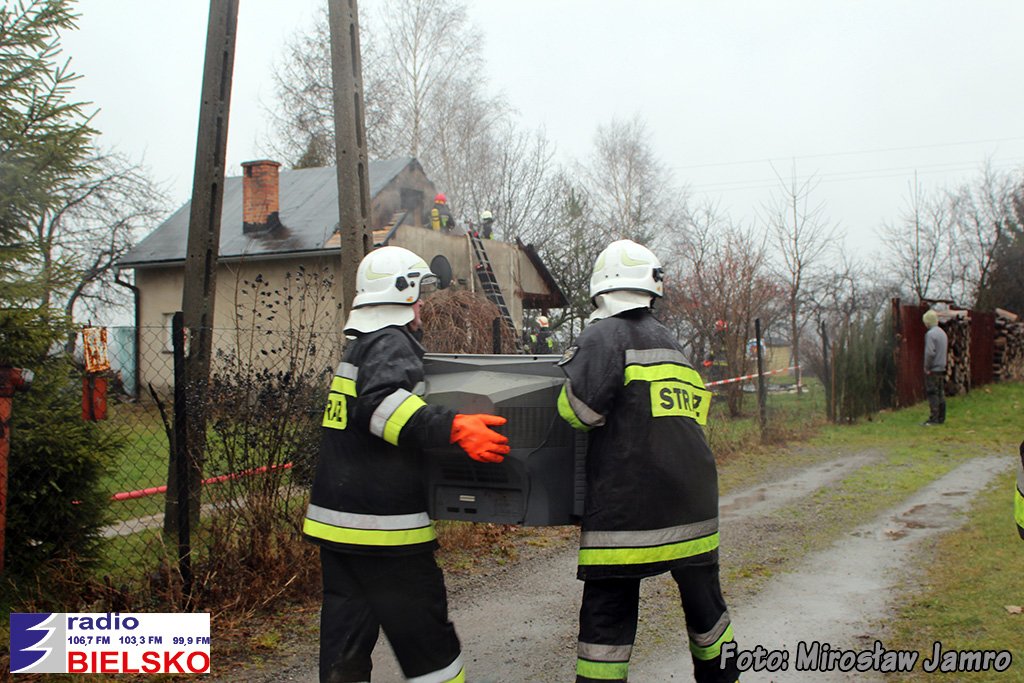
260 196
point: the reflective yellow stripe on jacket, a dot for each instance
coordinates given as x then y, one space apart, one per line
393 413
644 547
675 388
369 530
577 413
342 385
1018 502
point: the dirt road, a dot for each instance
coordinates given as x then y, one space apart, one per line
518 622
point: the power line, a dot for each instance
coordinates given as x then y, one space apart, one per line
850 176
847 153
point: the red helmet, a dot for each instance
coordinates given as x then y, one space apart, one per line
439 198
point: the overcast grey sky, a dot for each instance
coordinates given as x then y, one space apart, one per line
860 93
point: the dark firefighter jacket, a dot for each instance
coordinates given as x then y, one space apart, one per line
368 492
1018 498
652 486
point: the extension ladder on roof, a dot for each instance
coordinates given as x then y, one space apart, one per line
489 284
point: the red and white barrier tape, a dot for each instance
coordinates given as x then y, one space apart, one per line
753 376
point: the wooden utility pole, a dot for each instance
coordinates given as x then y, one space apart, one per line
204 229
349 145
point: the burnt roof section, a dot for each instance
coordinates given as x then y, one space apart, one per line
556 297
308 214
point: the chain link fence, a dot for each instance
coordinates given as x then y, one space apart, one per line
261 418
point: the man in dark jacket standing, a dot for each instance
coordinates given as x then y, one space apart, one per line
935 343
652 484
368 505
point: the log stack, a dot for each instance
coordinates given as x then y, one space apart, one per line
956 323
1008 356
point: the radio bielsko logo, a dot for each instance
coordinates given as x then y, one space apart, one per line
37 643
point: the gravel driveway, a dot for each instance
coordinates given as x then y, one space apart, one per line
518 622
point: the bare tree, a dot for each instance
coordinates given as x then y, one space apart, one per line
518 185
803 238
424 97
919 243
723 276
982 223
92 225
570 249
630 188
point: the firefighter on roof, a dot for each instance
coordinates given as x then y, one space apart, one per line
652 486
368 505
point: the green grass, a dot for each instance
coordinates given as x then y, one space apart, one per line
972 576
908 456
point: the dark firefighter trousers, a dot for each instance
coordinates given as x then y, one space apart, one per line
608 617
403 595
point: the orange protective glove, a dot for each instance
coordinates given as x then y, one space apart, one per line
474 435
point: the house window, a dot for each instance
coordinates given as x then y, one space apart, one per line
169 334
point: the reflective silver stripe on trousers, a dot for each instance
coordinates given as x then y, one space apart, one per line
651 356
441 675
711 637
648 538
347 370
385 410
355 520
585 413
603 653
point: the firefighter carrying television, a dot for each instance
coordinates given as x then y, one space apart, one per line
368 505
651 502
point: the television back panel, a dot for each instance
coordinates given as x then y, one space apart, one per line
541 481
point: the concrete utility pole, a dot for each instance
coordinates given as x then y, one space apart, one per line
349 145
204 228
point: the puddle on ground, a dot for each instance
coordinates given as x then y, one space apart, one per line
765 498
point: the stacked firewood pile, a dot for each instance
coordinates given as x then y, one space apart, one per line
956 323
1008 358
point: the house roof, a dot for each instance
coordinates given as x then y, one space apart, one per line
308 213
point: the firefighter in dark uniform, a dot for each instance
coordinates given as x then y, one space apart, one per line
540 340
1018 498
652 485
368 505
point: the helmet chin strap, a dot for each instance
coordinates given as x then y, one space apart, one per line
612 303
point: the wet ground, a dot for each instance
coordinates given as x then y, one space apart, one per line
518 622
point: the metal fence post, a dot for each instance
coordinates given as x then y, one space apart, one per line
762 393
181 455
830 409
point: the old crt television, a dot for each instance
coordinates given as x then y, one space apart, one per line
541 481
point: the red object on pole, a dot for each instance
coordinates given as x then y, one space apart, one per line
94 398
11 380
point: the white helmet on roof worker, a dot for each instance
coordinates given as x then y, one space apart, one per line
542 320
626 265
486 216
389 281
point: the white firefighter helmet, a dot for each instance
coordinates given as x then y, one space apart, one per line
389 281
486 216
542 320
625 265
